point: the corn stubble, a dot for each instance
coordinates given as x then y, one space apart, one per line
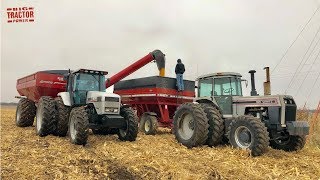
27 156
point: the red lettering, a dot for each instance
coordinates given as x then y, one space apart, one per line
31 14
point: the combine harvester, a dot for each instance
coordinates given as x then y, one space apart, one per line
76 101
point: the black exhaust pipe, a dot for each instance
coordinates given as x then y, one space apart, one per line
253 84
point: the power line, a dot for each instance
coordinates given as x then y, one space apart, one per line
292 79
285 53
315 82
308 73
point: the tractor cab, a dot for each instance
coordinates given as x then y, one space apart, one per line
222 87
82 81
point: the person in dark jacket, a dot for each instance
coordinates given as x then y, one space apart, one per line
179 72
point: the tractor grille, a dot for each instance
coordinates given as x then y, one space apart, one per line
112 99
291 110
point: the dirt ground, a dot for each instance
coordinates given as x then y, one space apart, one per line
27 156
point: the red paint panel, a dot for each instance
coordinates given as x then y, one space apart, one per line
40 84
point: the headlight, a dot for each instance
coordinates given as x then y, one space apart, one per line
111 109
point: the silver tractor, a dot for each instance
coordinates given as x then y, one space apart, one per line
221 113
85 105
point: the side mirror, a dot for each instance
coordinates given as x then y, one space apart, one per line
245 81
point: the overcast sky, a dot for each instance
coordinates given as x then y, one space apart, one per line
209 36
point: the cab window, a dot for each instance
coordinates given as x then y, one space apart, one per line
227 86
205 87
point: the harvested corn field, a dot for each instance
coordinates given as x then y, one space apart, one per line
27 156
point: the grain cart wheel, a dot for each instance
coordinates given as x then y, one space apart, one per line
62 118
248 132
216 124
45 116
291 143
25 113
78 126
190 125
148 124
131 131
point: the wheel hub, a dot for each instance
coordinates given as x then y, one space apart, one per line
243 137
18 115
147 126
73 130
39 119
186 126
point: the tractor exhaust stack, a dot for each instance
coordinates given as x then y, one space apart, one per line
266 85
253 84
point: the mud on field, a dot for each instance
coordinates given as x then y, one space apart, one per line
27 156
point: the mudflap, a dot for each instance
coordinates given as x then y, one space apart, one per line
298 128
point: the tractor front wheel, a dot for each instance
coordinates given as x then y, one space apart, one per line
247 132
148 124
130 132
45 116
25 113
190 125
78 126
291 143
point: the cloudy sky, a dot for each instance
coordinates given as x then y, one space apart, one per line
209 36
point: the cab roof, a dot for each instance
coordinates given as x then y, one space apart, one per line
219 74
90 71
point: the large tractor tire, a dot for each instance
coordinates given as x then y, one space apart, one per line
78 126
45 116
248 132
190 125
62 118
292 143
25 113
216 125
148 124
130 132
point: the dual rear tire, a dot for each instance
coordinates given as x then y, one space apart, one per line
190 125
45 116
199 124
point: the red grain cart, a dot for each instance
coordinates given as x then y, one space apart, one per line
155 99
32 87
42 83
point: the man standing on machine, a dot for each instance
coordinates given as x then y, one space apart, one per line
179 72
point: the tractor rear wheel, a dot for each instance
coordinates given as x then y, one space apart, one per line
25 113
248 132
45 116
190 125
291 143
62 118
216 125
148 124
78 126
130 132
